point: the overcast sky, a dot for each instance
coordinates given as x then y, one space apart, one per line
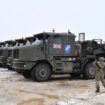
21 18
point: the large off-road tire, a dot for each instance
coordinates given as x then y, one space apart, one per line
18 71
10 68
89 71
27 74
41 72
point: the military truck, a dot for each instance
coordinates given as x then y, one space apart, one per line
50 53
57 53
17 43
4 54
2 45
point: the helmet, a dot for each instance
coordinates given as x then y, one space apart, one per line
101 59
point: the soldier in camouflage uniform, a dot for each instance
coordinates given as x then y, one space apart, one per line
99 73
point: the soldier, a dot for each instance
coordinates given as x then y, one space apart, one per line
99 74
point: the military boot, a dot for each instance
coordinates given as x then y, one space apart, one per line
97 89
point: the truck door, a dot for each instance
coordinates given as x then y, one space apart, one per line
55 51
60 48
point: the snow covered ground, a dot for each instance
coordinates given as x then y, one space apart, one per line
16 90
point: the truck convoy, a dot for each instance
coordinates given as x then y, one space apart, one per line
51 53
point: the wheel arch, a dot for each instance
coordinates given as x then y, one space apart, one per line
43 61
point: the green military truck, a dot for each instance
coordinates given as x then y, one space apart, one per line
17 43
4 54
50 53
2 45
57 53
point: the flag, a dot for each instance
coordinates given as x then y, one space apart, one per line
57 46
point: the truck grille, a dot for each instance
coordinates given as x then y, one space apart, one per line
16 53
1 52
9 53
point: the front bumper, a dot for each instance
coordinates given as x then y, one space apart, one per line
3 61
22 65
9 62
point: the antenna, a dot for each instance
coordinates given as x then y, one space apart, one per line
53 30
69 32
